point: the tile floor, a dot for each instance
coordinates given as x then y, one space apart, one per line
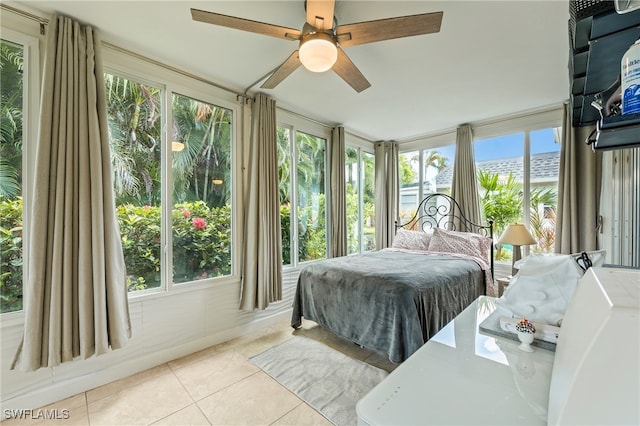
216 386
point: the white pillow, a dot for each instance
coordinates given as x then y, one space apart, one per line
412 240
543 286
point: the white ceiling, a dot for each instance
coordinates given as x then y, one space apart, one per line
490 59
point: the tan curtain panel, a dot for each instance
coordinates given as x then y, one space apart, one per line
464 187
262 260
75 295
387 187
338 219
578 190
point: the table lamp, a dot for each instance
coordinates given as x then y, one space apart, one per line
517 235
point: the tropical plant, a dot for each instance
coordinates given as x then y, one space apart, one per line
407 174
11 254
543 218
11 261
201 242
435 159
135 140
11 87
202 170
501 199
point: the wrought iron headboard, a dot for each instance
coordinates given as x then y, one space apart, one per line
441 211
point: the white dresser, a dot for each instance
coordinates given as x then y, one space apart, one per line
463 377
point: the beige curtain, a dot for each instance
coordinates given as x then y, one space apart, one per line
578 190
75 296
338 219
262 260
464 187
387 187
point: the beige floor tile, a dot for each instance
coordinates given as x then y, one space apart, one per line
127 382
243 340
76 401
195 357
261 344
256 400
202 378
302 415
69 411
76 418
142 403
24 418
190 415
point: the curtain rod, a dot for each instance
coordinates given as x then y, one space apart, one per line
174 69
305 117
24 14
44 21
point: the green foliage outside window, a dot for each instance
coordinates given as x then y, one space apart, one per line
202 242
11 254
502 201
11 90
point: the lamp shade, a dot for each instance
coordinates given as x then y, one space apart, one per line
177 146
516 234
318 52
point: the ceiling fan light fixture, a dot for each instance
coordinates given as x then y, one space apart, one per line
318 52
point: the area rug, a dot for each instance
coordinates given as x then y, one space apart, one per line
328 380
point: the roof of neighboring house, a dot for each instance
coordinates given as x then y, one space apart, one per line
544 167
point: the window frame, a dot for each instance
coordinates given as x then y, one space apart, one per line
527 122
295 124
170 82
361 146
360 171
526 174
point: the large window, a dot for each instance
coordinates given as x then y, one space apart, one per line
518 182
197 185
135 118
360 200
201 148
302 165
12 88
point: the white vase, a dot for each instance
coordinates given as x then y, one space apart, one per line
526 339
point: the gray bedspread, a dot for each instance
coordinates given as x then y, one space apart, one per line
387 300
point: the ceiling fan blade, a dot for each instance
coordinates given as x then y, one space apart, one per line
290 65
386 29
320 13
245 24
350 73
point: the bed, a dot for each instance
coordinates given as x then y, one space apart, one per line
393 300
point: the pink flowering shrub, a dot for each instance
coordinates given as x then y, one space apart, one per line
199 223
201 243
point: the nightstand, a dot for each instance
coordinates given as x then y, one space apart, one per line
503 283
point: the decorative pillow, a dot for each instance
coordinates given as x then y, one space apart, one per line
412 240
460 242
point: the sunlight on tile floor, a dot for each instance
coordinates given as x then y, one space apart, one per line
215 386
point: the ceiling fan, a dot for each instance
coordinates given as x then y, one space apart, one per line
322 39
